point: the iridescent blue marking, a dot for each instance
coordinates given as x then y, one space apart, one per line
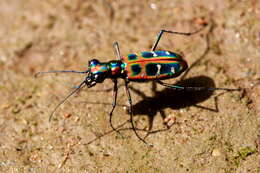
114 64
147 54
123 66
167 68
166 53
136 69
151 69
132 57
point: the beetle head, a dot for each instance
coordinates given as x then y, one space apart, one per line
97 72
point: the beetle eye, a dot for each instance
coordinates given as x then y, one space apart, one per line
93 62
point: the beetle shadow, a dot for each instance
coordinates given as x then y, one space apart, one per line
175 99
168 98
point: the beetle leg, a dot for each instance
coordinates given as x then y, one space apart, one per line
187 88
131 112
172 32
117 51
113 106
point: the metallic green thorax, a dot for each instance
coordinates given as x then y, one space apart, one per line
99 71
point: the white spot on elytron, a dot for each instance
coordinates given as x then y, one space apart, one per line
167 53
158 69
172 70
154 54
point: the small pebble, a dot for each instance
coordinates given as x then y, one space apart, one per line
216 152
67 115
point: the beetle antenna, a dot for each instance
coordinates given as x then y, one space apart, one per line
187 88
70 94
62 71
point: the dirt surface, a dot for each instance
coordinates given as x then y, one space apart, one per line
209 132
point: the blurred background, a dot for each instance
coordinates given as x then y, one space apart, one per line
209 132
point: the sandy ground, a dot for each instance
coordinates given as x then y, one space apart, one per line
210 132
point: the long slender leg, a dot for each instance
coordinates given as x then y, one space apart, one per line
131 112
187 88
172 32
113 105
118 55
117 51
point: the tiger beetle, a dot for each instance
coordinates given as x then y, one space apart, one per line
154 65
